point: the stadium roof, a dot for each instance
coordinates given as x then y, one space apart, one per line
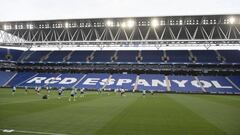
161 30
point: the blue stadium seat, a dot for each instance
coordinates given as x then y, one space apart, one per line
205 56
20 78
235 80
80 56
186 87
33 84
15 54
3 53
70 85
180 56
127 56
37 56
218 84
103 56
145 82
93 84
152 56
57 56
5 77
126 82
231 56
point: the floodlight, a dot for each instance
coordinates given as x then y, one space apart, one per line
154 23
5 27
123 25
109 23
231 20
180 22
130 23
66 25
29 26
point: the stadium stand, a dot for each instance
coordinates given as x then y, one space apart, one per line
218 84
57 56
230 56
152 56
187 84
93 54
20 78
3 53
6 77
205 56
180 56
146 82
154 82
126 83
148 57
10 54
37 56
103 56
127 56
80 56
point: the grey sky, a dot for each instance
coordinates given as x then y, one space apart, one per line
62 9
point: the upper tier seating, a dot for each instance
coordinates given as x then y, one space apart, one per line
103 56
231 56
127 56
180 56
80 56
152 56
205 56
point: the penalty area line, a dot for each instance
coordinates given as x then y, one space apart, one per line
29 132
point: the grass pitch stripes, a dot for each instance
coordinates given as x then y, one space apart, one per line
167 114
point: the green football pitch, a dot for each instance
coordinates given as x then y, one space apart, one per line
111 114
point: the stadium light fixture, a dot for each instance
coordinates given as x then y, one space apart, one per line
66 25
154 23
231 20
4 27
109 23
29 26
130 23
123 25
7 27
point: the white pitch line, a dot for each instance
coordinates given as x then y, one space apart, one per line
30 132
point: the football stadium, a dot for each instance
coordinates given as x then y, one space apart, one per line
169 75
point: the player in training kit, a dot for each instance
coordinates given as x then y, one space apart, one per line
122 92
82 92
13 90
144 93
99 91
116 90
26 89
38 90
60 92
152 92
48 90
72 95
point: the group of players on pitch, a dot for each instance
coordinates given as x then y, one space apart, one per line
74 91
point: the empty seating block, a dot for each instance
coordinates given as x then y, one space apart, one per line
37 56
205 56
178 56
231 56
127 56
152 56
57 56
5 77
3 53
80 56
103 56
